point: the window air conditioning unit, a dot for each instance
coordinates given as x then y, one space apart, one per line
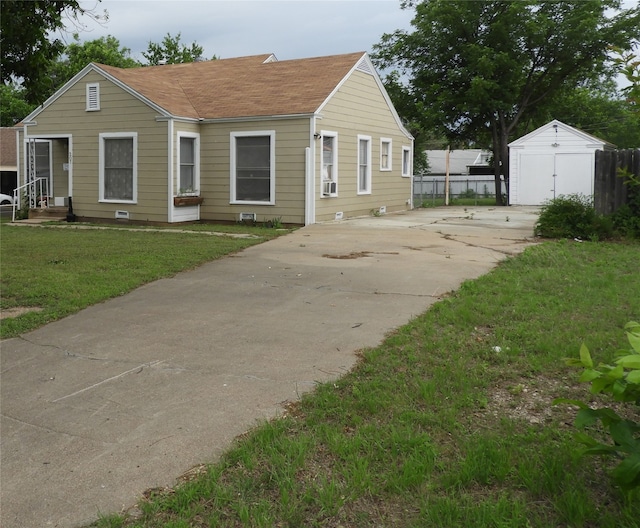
122 215
329 188
248 217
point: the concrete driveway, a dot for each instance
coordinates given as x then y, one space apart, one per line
131 393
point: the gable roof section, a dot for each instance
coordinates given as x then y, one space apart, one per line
583 135
254 86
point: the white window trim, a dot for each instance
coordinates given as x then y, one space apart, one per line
406 173
368 160
196 162
89 87
110 135
272 167
334 135
388 141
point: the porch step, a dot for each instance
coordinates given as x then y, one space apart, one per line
48 213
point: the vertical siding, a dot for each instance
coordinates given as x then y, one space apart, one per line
119 112
359 107
292 137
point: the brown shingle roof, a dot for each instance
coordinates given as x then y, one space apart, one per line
242 87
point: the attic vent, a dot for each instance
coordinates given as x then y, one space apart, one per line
364 66
93 97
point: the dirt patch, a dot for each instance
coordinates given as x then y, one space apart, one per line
18 310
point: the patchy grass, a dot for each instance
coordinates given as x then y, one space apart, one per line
448 423
50 272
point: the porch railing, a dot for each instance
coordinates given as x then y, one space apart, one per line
37 194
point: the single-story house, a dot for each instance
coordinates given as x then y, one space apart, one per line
553 160
8 160
462 162
302 141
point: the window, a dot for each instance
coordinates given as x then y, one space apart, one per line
329 164
406 161
364 165
188 163
118 167
253 167
385 154
93 97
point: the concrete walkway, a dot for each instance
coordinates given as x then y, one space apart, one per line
131 393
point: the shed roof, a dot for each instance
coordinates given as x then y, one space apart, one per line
572 130
257 85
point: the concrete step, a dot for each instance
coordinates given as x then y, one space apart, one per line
48 213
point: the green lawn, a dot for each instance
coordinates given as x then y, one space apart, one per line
448 423
59 271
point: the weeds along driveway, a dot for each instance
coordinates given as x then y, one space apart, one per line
129 394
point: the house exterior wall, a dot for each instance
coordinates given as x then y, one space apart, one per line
119 112
359 108
291 139
548 164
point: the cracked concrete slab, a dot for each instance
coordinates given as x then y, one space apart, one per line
131 393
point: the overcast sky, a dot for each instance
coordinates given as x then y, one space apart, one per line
290 29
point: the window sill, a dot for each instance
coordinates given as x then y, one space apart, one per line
183 201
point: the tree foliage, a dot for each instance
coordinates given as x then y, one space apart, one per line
476 70
27 46
170 51
104 50
13 106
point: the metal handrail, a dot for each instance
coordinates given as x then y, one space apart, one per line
38 184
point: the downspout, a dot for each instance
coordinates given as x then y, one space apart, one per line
170 171
310 179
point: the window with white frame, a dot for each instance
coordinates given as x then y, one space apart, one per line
118 174
364 164
253 167
385 154
329 163
188 163
93 97
406 161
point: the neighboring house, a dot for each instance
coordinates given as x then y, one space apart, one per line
303 141
555 159
462 162
8 160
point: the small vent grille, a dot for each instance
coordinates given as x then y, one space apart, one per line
364 66
122 215
339 215
247 217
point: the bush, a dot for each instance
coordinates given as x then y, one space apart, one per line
572 216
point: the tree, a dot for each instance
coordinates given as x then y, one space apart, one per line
27 49
104 50
13 106
478 69
170 51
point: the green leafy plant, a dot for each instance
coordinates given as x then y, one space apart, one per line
622 381
572 216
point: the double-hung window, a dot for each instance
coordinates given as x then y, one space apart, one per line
253 167
364 164
385 154
118 167
329 163
406 161
188 163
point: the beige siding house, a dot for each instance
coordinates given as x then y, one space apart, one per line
251 138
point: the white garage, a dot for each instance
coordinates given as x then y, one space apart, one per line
553 160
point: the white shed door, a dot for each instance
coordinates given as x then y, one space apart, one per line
535 181
574 174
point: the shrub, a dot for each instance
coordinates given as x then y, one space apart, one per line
572 216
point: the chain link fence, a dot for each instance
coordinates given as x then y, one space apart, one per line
430 190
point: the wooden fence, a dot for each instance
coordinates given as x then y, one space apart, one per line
610 187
